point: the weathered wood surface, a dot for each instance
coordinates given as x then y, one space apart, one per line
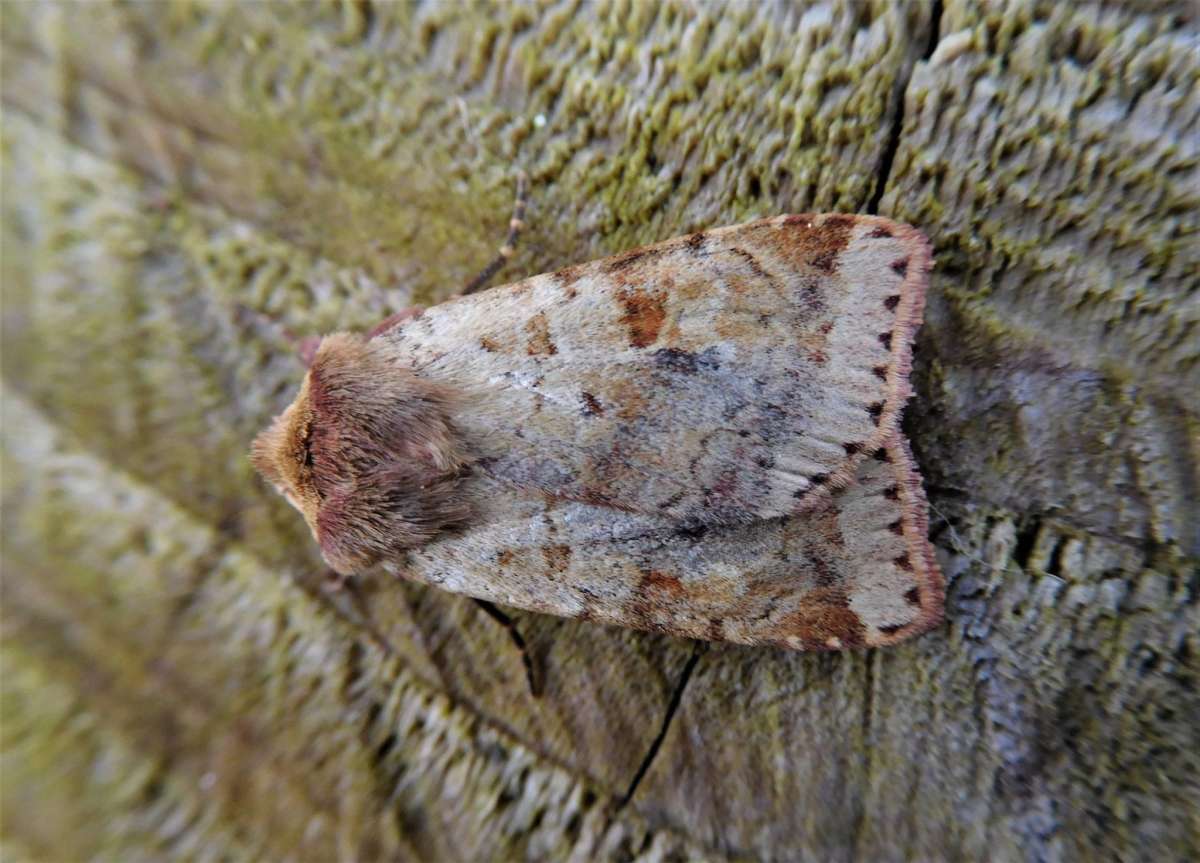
175 683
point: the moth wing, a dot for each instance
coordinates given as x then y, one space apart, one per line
715 379
854 570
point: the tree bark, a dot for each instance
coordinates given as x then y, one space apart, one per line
177 680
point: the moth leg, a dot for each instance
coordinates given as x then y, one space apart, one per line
515 225
344 596
533 670
334 582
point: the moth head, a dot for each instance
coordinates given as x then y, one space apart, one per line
366 452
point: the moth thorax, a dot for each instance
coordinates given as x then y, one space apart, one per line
367 452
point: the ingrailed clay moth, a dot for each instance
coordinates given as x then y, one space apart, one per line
698 437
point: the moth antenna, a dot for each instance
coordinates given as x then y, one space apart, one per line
394 320
515 225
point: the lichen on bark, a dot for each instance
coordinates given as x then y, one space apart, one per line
176 682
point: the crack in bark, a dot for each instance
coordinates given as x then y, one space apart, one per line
892 145
672 708
533 676
867 744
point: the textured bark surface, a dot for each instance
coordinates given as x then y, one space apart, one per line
176 682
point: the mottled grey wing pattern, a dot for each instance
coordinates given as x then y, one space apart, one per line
720 378
698 437
854 570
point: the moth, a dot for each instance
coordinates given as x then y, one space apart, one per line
699 437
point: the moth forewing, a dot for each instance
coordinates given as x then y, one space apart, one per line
851 571
716 378
679 438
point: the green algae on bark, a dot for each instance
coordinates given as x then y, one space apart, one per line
164 639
